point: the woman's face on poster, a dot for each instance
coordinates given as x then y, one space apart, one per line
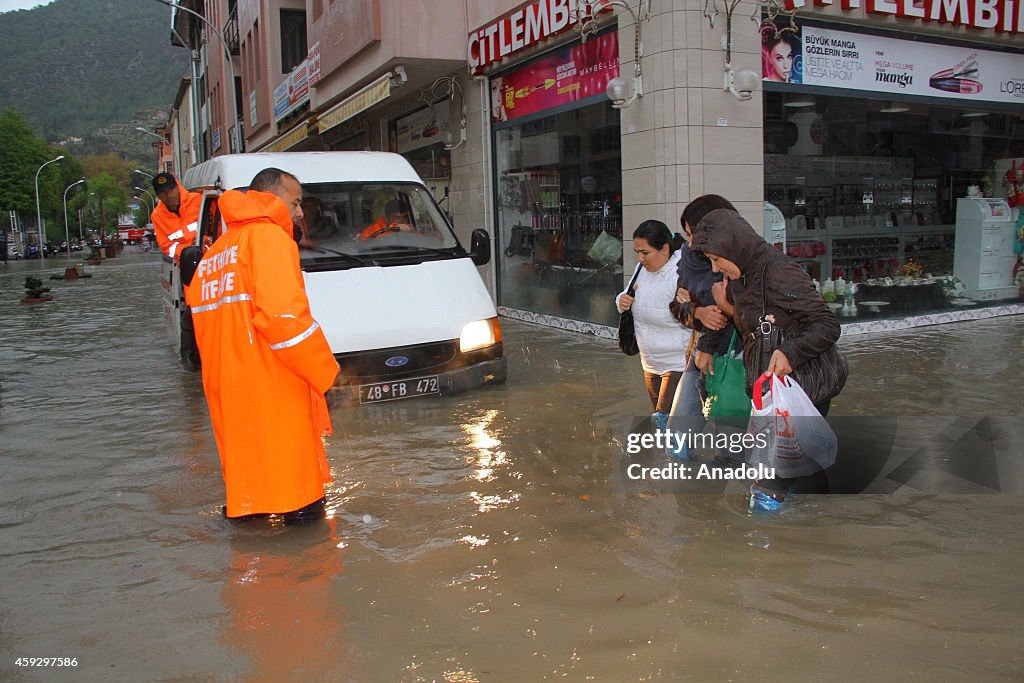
781 61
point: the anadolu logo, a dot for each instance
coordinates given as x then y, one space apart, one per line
396 361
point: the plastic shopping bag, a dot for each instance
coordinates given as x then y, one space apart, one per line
790 435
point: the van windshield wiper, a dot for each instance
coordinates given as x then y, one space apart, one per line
350 257
450 251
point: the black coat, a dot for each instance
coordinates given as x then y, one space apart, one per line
809 326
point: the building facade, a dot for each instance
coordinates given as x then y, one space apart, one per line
845 117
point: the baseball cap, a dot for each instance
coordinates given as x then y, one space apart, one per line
163 181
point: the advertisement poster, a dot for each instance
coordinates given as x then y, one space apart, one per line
566 75
313 59
292 92
838 59
421 128
281 99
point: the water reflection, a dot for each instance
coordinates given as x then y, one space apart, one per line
477 536
279 595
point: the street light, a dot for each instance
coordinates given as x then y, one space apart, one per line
235 125
67 235
140 171
149 132
148 205
150 195
39 213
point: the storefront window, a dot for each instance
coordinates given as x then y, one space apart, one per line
559 199
870 189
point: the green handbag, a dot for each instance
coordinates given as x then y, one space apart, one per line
727 388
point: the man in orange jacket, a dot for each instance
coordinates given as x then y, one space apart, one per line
176 216
395 219
266 362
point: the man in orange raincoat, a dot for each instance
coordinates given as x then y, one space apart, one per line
266 362
176 216
395 219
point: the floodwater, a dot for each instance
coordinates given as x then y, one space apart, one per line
474 537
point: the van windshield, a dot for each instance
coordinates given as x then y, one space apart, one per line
371 220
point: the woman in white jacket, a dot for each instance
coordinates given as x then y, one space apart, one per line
662 339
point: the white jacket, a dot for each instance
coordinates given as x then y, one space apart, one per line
662 339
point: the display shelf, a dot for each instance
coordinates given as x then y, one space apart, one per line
874 252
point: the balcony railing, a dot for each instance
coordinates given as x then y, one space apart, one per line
231 31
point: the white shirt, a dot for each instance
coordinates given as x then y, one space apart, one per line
662 339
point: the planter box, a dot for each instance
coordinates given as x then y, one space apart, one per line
36 300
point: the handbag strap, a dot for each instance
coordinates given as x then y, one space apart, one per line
732 341
636 274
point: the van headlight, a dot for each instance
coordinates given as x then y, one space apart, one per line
479 334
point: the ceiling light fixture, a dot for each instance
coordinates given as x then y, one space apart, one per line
973 114
794 104
894 109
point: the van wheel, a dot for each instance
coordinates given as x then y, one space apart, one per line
189 349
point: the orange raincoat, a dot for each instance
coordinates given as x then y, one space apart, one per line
175 231
266 362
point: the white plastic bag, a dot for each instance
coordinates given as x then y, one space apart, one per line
790 435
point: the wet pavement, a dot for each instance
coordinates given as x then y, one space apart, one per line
475 537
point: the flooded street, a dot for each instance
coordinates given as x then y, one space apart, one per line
476 537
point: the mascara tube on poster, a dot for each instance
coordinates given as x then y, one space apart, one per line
963 86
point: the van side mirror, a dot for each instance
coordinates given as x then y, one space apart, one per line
188 261
480 247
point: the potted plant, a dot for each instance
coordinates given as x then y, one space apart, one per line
35 292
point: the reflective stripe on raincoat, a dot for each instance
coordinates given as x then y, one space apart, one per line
266 362
175 231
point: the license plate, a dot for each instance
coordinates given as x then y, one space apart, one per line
394 391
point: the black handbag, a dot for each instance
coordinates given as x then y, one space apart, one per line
821 378
627 332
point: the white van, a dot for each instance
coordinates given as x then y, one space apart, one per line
403 308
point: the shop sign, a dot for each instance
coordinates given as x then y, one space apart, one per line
216 139
1004 16
293 91
525 27
837 59
420 128
566 75
254 117
313 59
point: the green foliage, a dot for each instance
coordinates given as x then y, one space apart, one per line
34 288
21 153
74 67
107 198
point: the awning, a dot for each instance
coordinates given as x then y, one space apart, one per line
288 140
359 101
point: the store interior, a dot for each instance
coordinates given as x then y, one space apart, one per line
559 206
871 191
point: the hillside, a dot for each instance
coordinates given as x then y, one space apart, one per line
91 69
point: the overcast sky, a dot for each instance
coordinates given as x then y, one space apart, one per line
9 5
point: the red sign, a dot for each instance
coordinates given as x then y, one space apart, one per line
313 59
1004 16
566 75
525 27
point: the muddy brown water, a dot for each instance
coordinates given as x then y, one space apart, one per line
475 537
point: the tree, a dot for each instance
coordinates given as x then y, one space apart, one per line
112 165
21 153
109 198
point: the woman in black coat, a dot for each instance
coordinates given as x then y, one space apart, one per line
767 286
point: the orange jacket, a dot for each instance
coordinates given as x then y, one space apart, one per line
175 231
375 229
266 362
